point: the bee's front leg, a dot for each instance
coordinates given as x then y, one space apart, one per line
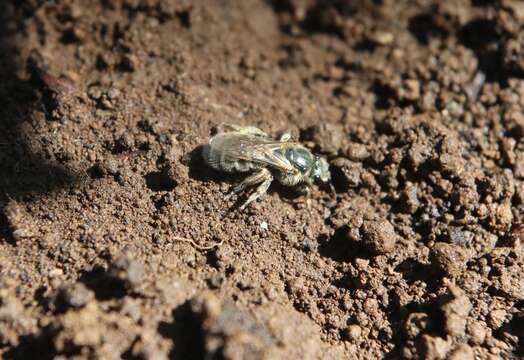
285 137
304 191
263 175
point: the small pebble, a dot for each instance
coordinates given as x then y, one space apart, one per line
448 258
353 332
496 318
477 332
215 281
128 271
378 236
74 295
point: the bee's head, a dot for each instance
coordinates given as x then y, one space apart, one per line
321 170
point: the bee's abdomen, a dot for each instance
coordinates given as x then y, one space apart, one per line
218 156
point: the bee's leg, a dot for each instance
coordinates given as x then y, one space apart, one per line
304 190
263 177
248 130
285 137
251 180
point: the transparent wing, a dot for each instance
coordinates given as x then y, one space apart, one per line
265 151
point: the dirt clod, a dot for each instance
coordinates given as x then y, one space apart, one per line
378 236
228 332
328 137
496 318
463 352
455 312
448 258
435 347
353 332
128 271
75 296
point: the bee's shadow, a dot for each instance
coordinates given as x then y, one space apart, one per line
287 193
199 170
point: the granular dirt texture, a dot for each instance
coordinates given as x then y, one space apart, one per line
117 241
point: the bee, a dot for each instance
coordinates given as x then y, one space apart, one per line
250 150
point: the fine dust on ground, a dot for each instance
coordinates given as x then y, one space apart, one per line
418 105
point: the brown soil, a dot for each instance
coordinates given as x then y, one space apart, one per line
418 105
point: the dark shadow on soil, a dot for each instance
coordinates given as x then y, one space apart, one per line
199 170
412 270
340 248
33 347
481 36
384 94
24 173
159 181
186 333
103 284
516 327
398 317
423 27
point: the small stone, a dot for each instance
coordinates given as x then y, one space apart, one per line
378 236
357 152
328 137
244 284
448 258
102 168
411 89
349 172
496 318
504 215
353 332
94 92
409 199
263 225
215 281
131 308
380 37
455 311
477 331
74 295
309 245
435 347
56 272
222 256
113 93
511 282
128 271
124 143
416 324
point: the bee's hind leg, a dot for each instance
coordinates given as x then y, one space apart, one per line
262 177
248 130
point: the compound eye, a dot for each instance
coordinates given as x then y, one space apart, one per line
300 158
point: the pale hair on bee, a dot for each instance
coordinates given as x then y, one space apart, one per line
248 149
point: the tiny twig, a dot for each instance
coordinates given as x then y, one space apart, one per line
197 246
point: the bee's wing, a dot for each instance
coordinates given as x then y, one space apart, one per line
270 154
262 151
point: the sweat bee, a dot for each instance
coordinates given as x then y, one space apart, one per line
250 150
